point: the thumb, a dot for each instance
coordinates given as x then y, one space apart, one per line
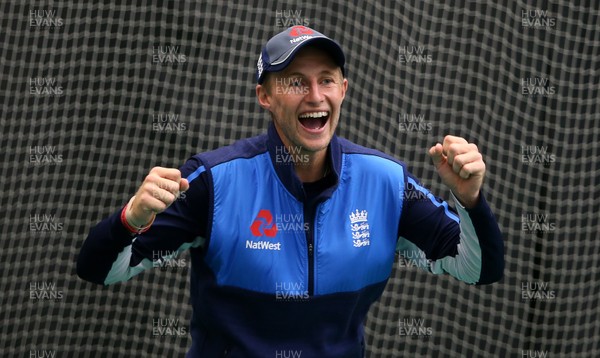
436 154
184 185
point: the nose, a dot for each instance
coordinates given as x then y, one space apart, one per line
314 94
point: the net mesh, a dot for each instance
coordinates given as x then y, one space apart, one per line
95 94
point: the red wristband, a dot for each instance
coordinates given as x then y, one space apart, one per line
133 229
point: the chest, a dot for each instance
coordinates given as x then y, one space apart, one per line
264 240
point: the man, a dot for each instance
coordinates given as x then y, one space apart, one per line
293 233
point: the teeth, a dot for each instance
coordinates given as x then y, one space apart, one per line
314 115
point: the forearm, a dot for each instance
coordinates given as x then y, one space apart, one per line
480 252
490 241
111 253
101 248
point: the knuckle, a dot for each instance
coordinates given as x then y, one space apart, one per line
160 183
164 184
145 200
173 186
459 160
161 207
147 186
152 177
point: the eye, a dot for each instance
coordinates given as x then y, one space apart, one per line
328 81
296 82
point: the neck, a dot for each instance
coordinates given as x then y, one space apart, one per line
314 168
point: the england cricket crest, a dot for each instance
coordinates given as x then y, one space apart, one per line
359 225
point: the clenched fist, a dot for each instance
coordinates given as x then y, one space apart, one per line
461 167
158 191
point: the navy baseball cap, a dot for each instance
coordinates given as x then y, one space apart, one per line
280 50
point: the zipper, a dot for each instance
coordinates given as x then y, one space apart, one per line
311 256
310 243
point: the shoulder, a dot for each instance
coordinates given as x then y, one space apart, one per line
369 156
241 149
196 165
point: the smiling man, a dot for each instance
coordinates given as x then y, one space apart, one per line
293 234
304 100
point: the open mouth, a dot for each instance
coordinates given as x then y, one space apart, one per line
313 120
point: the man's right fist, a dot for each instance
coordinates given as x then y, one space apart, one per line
158 191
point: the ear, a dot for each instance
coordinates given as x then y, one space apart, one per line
344 87
263 97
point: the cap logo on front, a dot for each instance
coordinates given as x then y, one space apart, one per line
300 30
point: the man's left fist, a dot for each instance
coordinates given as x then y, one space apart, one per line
461 167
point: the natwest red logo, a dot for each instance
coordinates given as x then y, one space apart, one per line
263 224
300 30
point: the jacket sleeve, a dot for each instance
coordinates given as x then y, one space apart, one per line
465 243
112 254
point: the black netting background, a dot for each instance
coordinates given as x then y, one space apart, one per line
89 103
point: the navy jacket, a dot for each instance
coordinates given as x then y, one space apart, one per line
279 268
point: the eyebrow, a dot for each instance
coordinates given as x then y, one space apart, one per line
299 74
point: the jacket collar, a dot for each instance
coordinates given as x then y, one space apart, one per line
284 166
